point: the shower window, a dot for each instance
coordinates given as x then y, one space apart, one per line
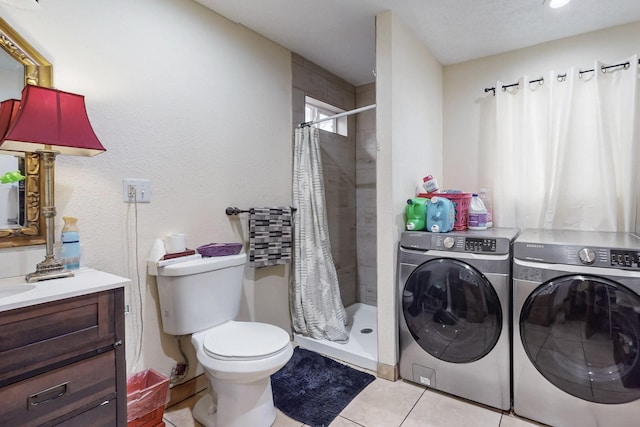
317 110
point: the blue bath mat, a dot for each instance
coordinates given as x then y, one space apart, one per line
314 389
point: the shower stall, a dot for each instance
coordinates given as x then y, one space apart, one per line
349 163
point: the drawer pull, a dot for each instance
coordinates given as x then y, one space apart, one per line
47 395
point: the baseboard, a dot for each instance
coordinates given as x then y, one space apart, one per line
183 391
387 372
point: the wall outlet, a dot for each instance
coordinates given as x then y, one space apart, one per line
178 373
136 190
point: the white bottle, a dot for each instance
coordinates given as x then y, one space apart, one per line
477 214
484 196
430 184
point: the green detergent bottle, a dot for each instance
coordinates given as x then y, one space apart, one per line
416 213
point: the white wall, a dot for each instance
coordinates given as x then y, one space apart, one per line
181 96
409 132
464 90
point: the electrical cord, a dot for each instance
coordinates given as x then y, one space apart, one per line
179 372
134 196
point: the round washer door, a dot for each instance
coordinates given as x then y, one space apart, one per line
452 310
582 333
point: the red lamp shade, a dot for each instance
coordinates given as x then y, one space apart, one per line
8 114
49 119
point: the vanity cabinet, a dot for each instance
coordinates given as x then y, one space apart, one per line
62 363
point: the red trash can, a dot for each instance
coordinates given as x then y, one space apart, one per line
146 397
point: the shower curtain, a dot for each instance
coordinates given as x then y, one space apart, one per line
316 306
564 152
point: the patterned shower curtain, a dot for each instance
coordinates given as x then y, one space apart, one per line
316 307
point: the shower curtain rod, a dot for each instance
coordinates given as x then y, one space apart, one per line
346 113
561 77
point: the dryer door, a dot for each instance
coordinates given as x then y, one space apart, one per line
452 310
582 333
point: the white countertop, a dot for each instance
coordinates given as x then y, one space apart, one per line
15 292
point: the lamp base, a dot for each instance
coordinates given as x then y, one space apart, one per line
48 269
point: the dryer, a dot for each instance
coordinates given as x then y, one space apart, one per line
454 311
576 317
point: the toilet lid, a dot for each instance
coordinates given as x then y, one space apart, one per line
245 341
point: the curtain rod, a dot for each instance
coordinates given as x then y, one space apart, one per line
346 113
561 77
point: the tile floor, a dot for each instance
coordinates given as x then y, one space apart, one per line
387 404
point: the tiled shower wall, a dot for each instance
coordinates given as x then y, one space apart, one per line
349 165
366 151
339 165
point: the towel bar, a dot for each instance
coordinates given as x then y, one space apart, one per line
235 211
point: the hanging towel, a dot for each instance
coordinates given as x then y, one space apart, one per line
269 236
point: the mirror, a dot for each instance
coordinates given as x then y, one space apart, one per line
21 223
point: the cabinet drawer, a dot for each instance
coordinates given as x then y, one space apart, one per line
41 336
51 395
103 415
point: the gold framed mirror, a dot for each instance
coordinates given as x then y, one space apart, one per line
29 229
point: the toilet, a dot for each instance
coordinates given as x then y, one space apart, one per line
202 297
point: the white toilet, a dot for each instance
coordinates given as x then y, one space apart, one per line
202 297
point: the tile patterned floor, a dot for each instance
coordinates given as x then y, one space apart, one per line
387 404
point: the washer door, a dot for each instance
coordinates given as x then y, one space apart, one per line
582 333
452 310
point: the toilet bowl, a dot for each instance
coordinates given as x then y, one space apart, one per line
202 297
239 359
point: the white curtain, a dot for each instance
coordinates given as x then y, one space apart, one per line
564 153
316 307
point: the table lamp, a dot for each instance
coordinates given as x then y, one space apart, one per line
8 114
50 122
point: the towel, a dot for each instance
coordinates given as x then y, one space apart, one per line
269 236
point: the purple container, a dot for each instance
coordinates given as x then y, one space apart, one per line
219 249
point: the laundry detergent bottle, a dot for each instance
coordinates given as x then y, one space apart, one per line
483 194
477 214
441 215
416 213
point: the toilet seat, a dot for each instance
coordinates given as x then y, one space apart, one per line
244 341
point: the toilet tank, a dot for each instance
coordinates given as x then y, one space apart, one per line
198 294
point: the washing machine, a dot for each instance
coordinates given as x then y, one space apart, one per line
576 322
454 311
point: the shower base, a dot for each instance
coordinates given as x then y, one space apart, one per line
362 348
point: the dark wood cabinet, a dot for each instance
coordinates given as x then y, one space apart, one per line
63 362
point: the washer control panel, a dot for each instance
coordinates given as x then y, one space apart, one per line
466 244
579 255
472 244
600 249
496 241
628 259
603 257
